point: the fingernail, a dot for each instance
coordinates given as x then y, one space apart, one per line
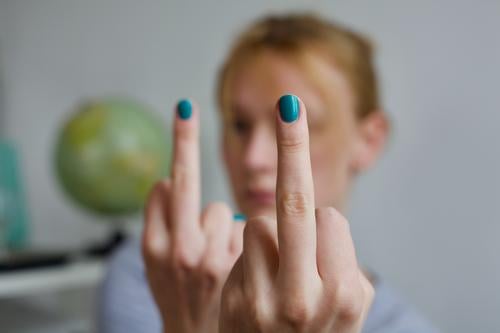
184 109
289 108
238 217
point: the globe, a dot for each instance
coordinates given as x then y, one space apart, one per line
110 153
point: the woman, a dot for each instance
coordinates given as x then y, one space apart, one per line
292 265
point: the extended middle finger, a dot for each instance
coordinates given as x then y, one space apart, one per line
185 195
294 192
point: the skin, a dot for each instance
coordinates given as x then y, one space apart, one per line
293 267
250 150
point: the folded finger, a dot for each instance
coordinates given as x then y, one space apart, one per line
236 244
260 254
216 224
155 233
336 255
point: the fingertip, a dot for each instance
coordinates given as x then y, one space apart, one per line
291 124
184 109
289 107
215 215
186 123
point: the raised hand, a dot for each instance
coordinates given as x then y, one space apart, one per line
299 273
187 255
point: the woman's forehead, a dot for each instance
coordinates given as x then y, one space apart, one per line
259 82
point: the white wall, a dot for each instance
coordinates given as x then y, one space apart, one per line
2 105
426 218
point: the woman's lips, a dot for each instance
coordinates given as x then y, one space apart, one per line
266 198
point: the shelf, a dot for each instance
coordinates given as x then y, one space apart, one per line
42 280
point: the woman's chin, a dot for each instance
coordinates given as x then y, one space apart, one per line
261 210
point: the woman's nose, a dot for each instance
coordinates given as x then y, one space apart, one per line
261 151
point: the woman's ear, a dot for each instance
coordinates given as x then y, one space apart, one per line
373 131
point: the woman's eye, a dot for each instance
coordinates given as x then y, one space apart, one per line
241 126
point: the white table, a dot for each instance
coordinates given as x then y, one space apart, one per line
50 300
41 280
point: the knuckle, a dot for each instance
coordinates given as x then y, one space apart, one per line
160 187
219 206
291 145
296 312
154 249
231 300
347 303
212 272
159 191
181 181
255 313
211 279
183 260
156 188
294 203
350 312
327 213
330 213
151 252
149 255
220 210
255 227
369 291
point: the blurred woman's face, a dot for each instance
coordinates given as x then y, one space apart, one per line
249 140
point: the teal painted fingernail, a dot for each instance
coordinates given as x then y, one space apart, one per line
184 109
289 108
238 217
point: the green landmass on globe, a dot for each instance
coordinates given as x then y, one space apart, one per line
110 153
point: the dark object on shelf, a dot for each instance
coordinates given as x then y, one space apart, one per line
24 260
107 247
14 261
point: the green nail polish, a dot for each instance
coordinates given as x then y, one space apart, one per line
184 109
238 217
289 108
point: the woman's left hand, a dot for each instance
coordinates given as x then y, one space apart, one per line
187 253
299 273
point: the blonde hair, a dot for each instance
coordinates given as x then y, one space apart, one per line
295 35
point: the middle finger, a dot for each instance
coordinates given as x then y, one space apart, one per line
185 195
294 192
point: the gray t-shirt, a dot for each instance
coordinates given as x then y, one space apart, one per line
126 304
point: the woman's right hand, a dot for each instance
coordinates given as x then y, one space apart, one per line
298 272
188 255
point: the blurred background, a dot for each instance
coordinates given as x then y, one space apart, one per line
427 218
